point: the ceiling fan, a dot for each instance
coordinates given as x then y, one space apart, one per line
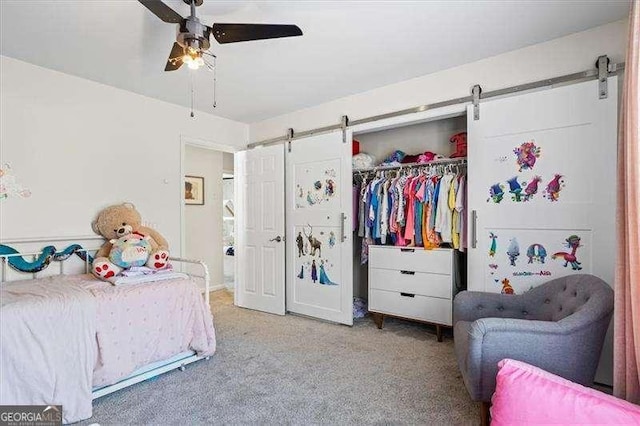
193 36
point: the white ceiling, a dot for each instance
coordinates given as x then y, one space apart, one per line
347 47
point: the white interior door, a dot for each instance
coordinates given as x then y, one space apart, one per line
542 170
319 239
260 247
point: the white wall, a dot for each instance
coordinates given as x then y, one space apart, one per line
573 53
203 224
80 145
227 162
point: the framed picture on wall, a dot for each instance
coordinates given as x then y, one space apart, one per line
194 190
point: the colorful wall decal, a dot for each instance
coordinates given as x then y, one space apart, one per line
573 242
536 252
526 155
324 278
506 287
316 184
515 189
547 252
332 239
492 249
9 187
316 245
513 251
552 193
314 271
301 274
300 244
531 188
496 193
329 188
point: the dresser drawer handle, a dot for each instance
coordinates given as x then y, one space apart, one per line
407 295
407 272
407 250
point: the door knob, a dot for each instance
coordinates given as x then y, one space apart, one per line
277 239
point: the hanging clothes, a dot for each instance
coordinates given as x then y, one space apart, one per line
422 209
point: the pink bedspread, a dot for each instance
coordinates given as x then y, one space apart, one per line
143 323
64 335
47 345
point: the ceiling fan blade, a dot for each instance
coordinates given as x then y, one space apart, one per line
233 33
162 11
175 58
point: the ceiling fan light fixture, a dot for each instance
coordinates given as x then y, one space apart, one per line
192 40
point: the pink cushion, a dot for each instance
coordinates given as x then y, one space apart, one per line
527 395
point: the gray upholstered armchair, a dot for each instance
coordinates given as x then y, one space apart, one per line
558 326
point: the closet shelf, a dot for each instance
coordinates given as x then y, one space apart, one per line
442 162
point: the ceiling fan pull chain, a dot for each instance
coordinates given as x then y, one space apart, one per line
193 94
215 67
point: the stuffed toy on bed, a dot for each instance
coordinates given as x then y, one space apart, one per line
135 245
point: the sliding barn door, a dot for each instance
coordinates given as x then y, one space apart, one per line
260 247
542 185
319 239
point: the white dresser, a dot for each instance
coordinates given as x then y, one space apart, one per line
413 283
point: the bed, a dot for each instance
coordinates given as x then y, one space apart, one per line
67 338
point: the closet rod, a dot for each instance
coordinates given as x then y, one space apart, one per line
577 77
441 162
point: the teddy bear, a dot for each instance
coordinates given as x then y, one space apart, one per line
118 221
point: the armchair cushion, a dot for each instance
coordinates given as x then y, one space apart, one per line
558 326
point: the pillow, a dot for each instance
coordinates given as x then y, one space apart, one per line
527 395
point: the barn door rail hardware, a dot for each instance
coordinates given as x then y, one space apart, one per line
344 123
600 73
289 137
475 93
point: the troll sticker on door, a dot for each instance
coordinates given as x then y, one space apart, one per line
526 155
530 257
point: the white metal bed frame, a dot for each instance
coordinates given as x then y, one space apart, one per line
178 361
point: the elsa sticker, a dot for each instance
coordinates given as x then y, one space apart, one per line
332 239
324 278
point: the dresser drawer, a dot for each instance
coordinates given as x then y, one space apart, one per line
411 259
418 307
421 283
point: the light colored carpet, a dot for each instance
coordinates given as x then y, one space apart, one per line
293 370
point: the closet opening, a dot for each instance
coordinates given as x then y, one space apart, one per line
208 210
410 219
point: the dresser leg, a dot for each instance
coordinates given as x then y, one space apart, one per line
439 333
378 319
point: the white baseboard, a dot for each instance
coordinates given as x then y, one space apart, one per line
216 287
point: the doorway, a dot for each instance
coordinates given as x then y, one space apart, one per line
208 209
228 222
